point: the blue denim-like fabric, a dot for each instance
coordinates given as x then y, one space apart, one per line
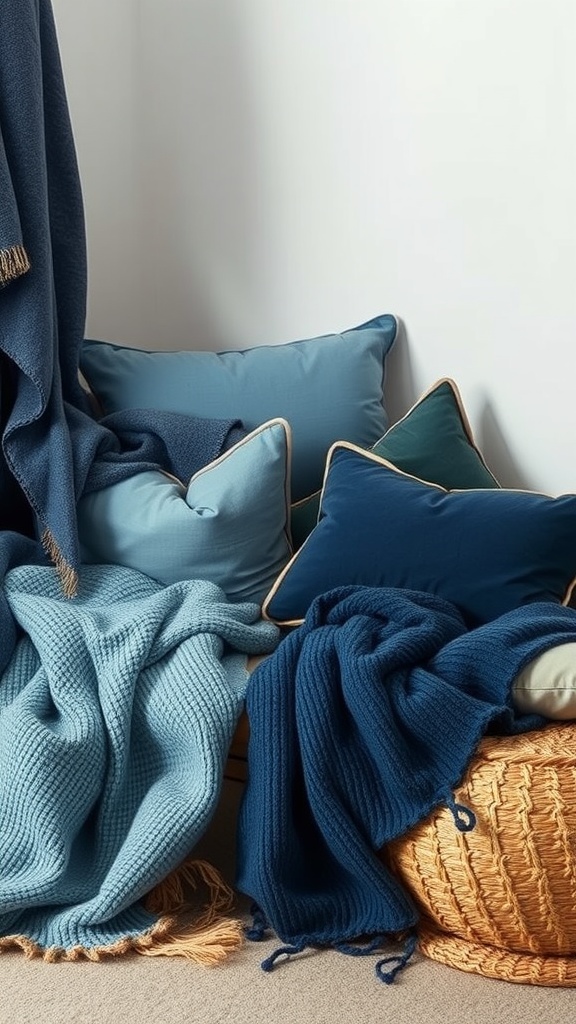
42 313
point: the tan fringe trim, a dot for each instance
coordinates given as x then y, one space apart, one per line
209 940
14 263
207 946
169 897
68 575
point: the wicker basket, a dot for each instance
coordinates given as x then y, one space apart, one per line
501 900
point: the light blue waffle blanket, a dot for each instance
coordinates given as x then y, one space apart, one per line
116 713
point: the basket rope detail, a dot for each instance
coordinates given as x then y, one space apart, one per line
501 900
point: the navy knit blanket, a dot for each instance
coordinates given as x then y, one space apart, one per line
362 721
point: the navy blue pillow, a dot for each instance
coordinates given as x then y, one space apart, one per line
485 550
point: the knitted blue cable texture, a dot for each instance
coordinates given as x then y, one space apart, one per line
116 714
362 721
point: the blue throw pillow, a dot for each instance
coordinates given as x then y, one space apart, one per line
485 550
432 441
229 524
328 388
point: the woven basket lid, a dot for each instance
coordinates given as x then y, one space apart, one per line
501 900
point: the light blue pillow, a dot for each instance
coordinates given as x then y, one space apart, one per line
486 550
329 388
229 525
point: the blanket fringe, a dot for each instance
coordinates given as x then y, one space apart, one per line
211 937
169 896
397 963
208 940
14 263
68 575
208 946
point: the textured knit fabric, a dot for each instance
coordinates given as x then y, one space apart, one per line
136 440
361 722
116 714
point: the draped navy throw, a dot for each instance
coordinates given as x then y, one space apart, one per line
362 721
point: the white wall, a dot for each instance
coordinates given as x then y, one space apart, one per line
98 42
257 171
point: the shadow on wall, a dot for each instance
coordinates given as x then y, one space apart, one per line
496 452
401 391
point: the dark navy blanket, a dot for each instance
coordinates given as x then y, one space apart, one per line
52 449
43 298
362 721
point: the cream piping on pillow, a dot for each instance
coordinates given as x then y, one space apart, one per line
462 413
383 462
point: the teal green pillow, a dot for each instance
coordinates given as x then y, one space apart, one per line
486 550
433 441
327 388
229 524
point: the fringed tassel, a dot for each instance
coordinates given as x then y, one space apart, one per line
68 576
208 946
395 964
355 950
288 951
464 817
14 263
56 954
398 962
169 896
259 928
211 938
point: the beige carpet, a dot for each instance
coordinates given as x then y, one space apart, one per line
314 988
